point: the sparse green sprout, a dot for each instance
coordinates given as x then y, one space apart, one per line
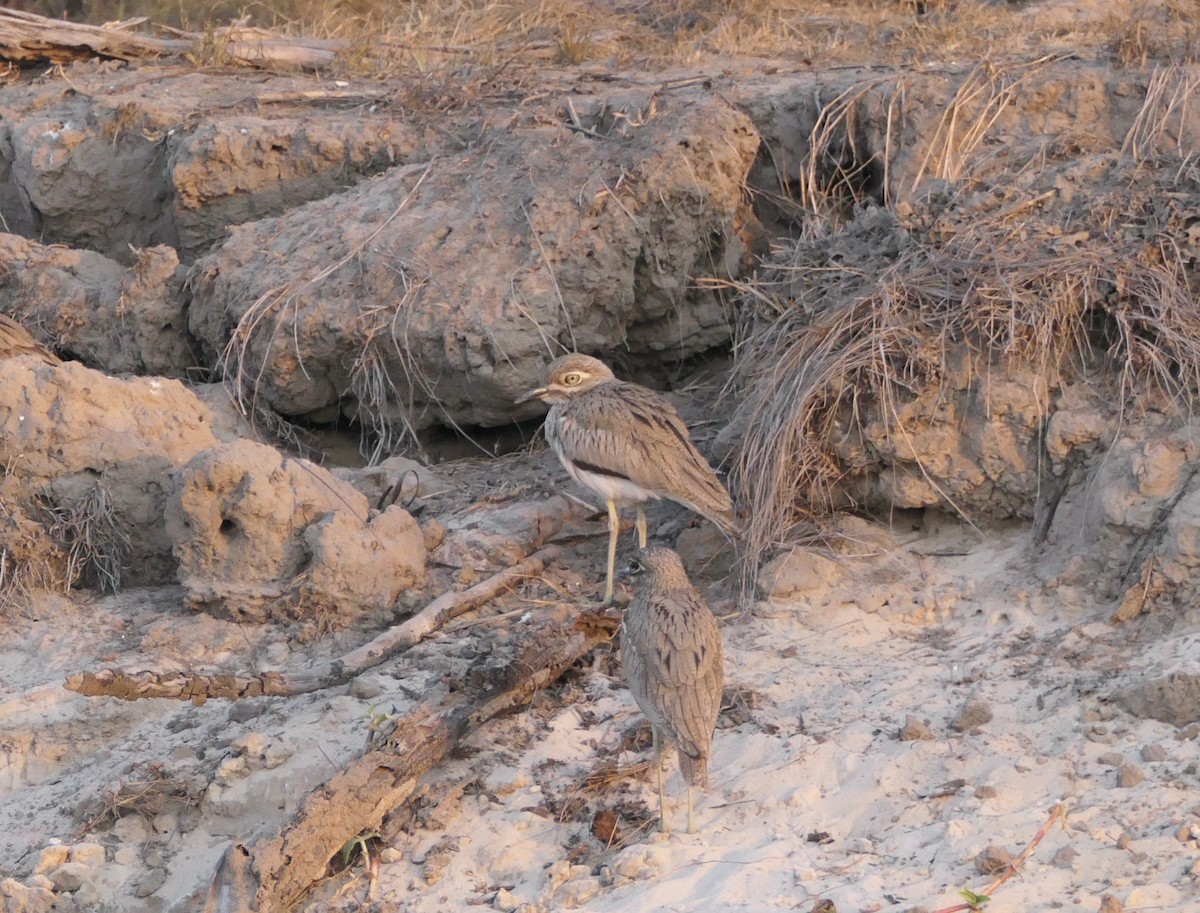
377 719
976 901
360 843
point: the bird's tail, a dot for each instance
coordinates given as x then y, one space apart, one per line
694 770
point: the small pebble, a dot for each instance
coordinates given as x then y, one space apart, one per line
993 860
1065 857
151 882
88 853
69 876
1111 759
576 893
506 901
1129 775
975 712
915 730
1154 753
1110 904
1124 841
52 857
986 792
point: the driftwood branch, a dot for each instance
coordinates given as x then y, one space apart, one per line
198 688
29 38
276 872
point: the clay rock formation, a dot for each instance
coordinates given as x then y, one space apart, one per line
118 319
93 455
259 536
125 162
436 293
238 169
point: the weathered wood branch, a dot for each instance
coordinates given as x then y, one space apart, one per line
135 685
276 872
27 37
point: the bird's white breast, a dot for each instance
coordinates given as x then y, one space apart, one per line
622 491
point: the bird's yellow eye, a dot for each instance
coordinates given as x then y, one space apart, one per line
573 379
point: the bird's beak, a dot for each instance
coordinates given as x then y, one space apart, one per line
532 394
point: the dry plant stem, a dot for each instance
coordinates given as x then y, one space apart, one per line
32 38
132 686
275 872
1058 813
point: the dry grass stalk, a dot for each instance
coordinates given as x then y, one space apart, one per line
95 544
421 37
30 559
275 307
856 347
1161 124
969 117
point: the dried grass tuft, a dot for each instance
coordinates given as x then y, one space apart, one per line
445 37
29 559
834 342
96 546
148 790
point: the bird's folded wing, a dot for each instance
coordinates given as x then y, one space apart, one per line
690 640
639 436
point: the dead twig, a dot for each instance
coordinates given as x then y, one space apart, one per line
276 871
1058 813
198 688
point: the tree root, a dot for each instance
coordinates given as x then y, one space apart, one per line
276 872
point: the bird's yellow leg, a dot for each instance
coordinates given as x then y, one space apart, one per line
691 824
614 528
662 796
641 527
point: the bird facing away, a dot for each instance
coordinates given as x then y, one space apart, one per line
628 445
671 653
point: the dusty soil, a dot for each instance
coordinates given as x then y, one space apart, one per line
265 285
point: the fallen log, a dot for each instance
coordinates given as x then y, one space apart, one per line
198 688
276 872
30 38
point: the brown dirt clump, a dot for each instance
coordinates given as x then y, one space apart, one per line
436 293
91 459
114 318
260 537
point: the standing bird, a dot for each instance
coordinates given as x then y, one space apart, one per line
671 652
627 444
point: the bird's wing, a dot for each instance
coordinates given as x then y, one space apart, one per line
629 431
685 664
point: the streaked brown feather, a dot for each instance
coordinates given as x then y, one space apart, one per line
629 431
673 660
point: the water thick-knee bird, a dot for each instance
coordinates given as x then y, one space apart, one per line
674 665
628 445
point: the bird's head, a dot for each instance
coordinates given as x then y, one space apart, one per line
658 563
569 376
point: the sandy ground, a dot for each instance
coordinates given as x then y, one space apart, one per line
1001 684
814 794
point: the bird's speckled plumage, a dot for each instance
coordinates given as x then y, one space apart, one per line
674 666
626 443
